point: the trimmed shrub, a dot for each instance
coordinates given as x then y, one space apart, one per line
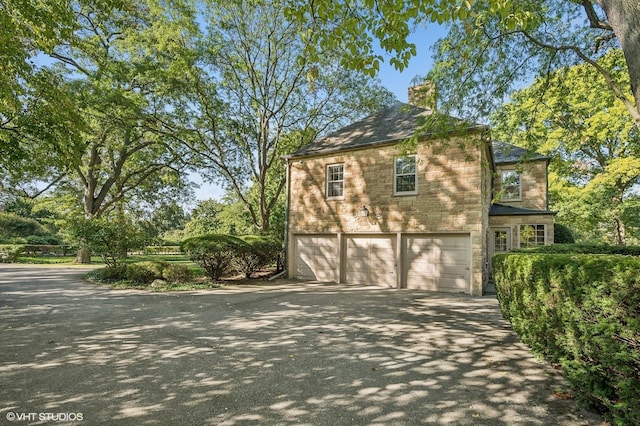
258 252
169 249
177 273
214 253
562 234
154 266
12 225
583 249
9 253
583 312
141 274
109 274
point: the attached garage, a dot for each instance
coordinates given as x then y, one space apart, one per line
316 257
437 262
370 260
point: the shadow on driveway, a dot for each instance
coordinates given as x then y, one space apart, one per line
290 353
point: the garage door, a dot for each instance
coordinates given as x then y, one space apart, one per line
371 260
437 262
316 257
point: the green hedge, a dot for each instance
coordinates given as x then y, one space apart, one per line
583 312
172 249
215 253
9 253
218 254
258 252
583 248
143 273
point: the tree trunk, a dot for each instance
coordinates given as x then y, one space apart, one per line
83 256
624 16
618 230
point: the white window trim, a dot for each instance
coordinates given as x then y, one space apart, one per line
508 242
534 225
327 181
519 197
395 175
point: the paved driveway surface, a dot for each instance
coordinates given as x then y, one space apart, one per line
289 353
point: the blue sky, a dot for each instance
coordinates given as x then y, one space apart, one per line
397 82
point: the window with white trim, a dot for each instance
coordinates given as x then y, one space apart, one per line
511 188
500 240
335 181
532 235
404 175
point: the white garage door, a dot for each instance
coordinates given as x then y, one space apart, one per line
371 260
437 262
316 257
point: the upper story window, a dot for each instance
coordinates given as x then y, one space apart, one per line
335 181
405 176
532 235
511 188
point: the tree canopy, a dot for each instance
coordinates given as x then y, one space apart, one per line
253 96
594 145
492 46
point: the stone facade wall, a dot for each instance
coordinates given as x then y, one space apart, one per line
533 181
450 195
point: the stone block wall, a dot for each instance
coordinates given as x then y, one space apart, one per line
533 181
452 195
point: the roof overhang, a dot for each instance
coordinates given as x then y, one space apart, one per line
504 210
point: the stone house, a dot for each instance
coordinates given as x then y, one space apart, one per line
365 207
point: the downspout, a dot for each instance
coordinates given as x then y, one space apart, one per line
286 221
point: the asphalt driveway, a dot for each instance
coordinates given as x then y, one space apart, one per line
286 353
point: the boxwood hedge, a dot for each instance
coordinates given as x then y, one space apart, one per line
258 252
215 253
581 311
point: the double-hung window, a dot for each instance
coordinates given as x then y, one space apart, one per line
335 181
511 188
405 178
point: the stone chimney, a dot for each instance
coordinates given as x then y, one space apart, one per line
423 95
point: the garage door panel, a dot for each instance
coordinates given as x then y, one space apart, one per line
382 253
452 284
358 253
381 243
438 263
358 265
316 258
325 263
370 260
453 258
325 275
358 277
416 283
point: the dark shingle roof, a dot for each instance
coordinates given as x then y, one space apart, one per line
395 123
503 210
505 153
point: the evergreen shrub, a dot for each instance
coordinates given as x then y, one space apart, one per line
215 253
581 311
258 252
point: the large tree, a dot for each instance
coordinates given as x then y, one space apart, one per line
115 69
254 96
487 54
593 142
492 46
